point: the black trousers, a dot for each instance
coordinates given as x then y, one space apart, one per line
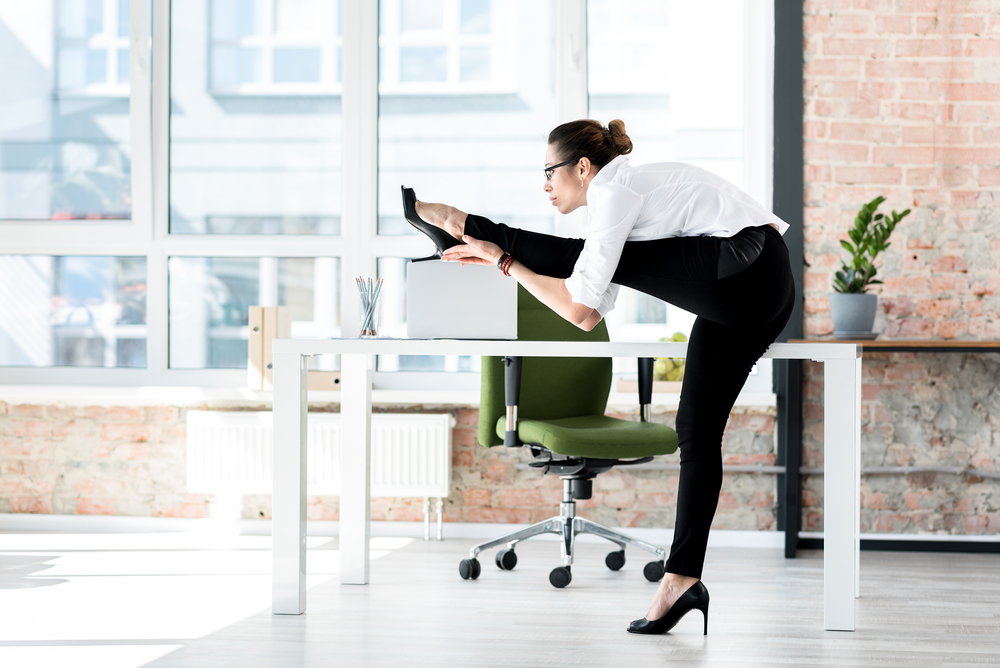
738 317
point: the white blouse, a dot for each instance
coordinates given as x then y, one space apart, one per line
656 201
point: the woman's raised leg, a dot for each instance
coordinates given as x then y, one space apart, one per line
544 254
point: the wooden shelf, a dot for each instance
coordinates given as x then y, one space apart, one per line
913 345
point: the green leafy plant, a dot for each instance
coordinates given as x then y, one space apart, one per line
869 237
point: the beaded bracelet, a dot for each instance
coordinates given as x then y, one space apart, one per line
506 265
503 259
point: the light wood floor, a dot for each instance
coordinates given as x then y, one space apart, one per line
916 610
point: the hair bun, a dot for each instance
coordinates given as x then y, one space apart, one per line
619 140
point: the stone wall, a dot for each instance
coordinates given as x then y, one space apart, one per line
902 99
130 460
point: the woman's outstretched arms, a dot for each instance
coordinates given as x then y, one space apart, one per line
550 291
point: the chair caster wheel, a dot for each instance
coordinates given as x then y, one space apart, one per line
615 560
653 571
560 577
506 560
469 569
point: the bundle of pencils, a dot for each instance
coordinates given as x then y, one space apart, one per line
369 291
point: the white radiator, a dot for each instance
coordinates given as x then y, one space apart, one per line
229 452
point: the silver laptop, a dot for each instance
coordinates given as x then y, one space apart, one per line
445 300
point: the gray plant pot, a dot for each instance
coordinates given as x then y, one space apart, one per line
853 315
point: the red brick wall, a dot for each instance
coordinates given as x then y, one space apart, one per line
131 461
902 99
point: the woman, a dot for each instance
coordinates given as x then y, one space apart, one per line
673 231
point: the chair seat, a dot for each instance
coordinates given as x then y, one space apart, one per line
596 436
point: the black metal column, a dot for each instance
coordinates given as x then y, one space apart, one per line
788 203
788 381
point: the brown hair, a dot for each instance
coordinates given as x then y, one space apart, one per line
590 139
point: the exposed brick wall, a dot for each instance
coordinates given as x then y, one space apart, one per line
94 460
902 99
917 410
131 461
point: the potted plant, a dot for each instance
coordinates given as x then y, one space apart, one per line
852 307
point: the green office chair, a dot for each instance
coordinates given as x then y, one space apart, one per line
555 407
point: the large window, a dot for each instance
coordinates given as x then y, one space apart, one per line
453 46
254 156
466 102
255 117
73 311
64 110
210 298
255 149
647 66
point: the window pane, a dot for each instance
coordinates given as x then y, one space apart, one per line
210 298
82 67
64 114
234 65
422 14
123 18
248 154
80 18
234 19
296 65
475 63
73 311
423 63
123 69
480 152
297 16
475 16
648 66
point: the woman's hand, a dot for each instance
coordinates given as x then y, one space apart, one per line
473 251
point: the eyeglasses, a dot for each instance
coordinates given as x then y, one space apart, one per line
549 171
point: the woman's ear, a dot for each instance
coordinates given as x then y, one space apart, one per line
583 168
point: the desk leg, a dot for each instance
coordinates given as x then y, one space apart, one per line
355 466
288 505
840 492
857 479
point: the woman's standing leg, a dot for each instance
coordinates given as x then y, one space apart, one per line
719 361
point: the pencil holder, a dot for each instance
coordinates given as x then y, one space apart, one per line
369 291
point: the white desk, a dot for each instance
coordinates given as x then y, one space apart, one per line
841 451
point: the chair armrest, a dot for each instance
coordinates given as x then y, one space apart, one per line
512 394
645 387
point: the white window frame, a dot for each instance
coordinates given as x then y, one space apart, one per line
108 40
359 246
499 39
327 42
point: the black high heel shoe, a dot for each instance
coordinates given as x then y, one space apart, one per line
442 240
695 598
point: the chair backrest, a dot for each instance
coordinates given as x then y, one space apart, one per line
551 387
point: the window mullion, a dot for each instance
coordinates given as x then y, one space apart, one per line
156 311
160 116
359 105
140 118
157 307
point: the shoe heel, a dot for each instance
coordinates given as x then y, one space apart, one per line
425 259
442 240
705 612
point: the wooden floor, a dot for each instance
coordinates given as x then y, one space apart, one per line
916 610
